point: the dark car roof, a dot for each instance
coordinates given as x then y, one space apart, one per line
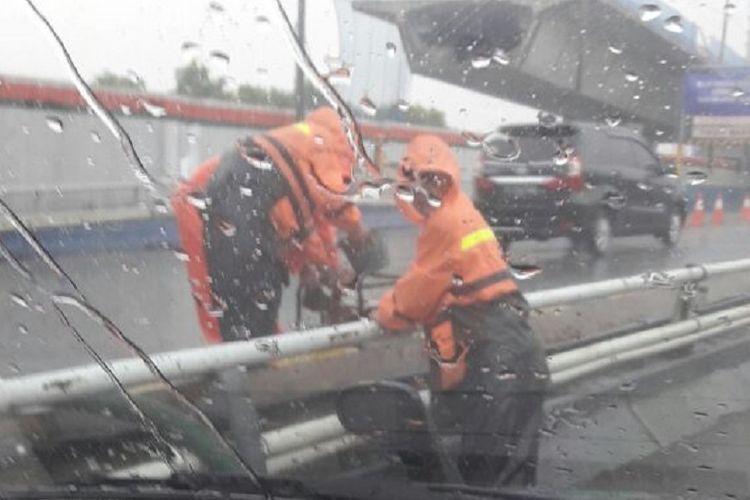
566 128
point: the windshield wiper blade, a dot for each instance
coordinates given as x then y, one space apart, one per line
197 482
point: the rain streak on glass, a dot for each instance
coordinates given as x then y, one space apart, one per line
649 12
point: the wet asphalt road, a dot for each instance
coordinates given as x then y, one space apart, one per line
146 293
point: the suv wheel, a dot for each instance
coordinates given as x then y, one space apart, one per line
600 235
596 237
671 235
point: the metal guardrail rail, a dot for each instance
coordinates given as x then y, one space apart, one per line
288 445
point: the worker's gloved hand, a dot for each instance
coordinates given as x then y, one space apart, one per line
366 251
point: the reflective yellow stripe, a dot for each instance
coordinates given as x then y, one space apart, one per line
477 237
303 127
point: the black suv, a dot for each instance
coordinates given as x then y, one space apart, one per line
587 181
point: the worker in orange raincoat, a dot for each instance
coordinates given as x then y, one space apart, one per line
489 368
268 207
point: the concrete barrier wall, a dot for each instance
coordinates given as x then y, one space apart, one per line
58 158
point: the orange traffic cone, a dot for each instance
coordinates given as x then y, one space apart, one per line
698 215
745 212
717 215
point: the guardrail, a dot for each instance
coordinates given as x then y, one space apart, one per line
288 445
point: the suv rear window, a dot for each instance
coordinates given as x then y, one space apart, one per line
540 143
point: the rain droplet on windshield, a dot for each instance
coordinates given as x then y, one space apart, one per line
501 147
434 201
18 300
263 23
501 57
472 140
191 138
340 76
696 177
227 229
190 50
96 137
367 106
246 191
199 202
182 256
153 109
390 49
405 193
216 6
480 62
615 201
55 124
613 120
403 105
615 49
645 186
524 271
23 329
649 12
659 279
220 58
562 156
730 8
737 92
631 76
369 190
673 24
547 119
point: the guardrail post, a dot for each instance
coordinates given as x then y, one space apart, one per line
685 304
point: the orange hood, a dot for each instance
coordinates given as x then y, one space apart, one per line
330 147
428 153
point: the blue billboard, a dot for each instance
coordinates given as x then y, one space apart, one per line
717 91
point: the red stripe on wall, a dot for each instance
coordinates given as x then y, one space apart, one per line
51 95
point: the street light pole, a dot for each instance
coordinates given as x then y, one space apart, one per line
722 49
724 25
299 78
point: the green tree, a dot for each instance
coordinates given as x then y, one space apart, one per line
113 80
277 98
194 80
415 115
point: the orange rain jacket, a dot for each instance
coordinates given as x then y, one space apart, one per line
318 174
316 161
458 260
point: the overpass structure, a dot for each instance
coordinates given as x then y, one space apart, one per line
581 59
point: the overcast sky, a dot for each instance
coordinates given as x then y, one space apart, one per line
146 37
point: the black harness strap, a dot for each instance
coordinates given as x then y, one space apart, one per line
475 286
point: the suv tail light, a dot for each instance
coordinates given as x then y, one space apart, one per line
572 180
